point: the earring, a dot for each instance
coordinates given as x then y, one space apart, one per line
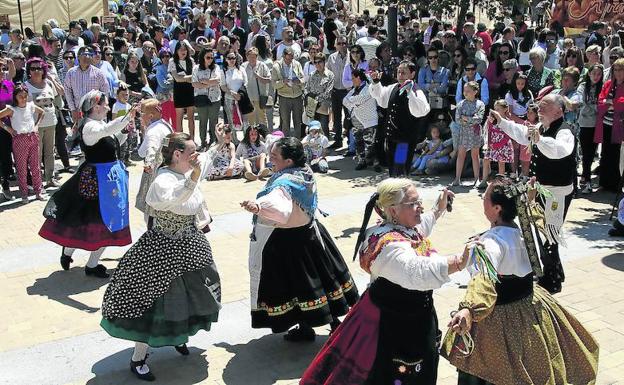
394 221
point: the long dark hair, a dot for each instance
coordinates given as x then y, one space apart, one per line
515 93
455 67
499 62
291 148
509 210
360 51
527 40
139 68
260 42
588 83
176 58
246 138
202 60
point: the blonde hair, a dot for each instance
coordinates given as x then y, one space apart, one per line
391 192
501 103
151 105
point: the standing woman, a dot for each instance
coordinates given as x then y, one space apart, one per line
319 88
495 71
164 88
234 79
166 287
259 80
90 211
356 60
456 72
589 90
539 76
391 335
264 56
206 81
134 76
525 46
43 93
181 68
610 127
6 139
311 287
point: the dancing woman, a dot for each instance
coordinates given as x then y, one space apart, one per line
391 336
166 287
90 211
520 332
298 275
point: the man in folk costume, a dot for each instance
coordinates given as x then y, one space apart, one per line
553 163
407 106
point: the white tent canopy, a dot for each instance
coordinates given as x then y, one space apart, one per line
36 12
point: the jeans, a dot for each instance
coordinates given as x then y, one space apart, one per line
208 119
46 151
324 120
291 107
60 134
337 108
420 163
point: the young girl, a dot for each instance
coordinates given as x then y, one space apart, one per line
499 146
24 130
531 120
225 163
519 97
430 148
315 145
469 115
252 151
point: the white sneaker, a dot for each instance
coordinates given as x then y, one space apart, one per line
250 176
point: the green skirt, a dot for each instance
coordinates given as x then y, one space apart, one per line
188 306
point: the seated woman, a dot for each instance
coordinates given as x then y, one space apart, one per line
252 151
521 333
225 164
391 336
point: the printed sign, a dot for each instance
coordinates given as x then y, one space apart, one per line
581 13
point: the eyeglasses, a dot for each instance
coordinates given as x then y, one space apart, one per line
209 57
503 52
417 202
458 55
470 69
508 69
432 57
318 62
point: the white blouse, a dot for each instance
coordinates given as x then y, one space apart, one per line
94 130
234 80
399 263
178 193
506 249
277 209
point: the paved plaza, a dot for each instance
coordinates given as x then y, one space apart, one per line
50 333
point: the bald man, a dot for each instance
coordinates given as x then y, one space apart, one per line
553 163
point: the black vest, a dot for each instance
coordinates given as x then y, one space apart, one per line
554 172
402 126
106 150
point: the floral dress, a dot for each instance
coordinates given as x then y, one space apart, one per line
499 145
221 162
470 131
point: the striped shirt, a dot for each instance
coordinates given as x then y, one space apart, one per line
78 83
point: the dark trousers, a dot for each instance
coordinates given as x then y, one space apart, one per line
60 134
6 161
553 269
337 109
588 150
464 378
396 169
609 176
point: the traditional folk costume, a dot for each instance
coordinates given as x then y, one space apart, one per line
149 150
90 211
166 287
406 126
520 332
297 273
391 335
553 163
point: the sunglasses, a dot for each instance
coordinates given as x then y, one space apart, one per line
231 58
503 52
209 57
460 55
340 43
318 62
69 57
572 55
471 69
432 57
36 69
508 69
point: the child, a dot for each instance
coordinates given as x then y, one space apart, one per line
519 97
25 132
268 143
252 151
469 115
225 163
430 148
315 146
121 108
499 146
531 121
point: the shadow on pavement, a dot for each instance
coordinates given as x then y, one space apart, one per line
167 365
60 285
265 360
614 261
594 227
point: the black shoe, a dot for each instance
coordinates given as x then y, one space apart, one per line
360 166
182 349
300 334
65 261
98 271
145 376
377 168
333 326
616 233
335 145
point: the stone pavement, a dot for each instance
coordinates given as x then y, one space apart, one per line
50 332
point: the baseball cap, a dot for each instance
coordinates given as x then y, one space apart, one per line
314 125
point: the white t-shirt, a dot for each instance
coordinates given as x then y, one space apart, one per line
316 144
23 119
44 99
120 109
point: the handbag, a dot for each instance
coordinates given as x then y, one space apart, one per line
202 101
436 102
311 106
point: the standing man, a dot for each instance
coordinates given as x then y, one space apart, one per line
280 22
82 79
407 107
288 41
287 76
330 29
229 29
336 63
553 162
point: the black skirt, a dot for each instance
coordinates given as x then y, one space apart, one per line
183 95
73 216
609 175
303 278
